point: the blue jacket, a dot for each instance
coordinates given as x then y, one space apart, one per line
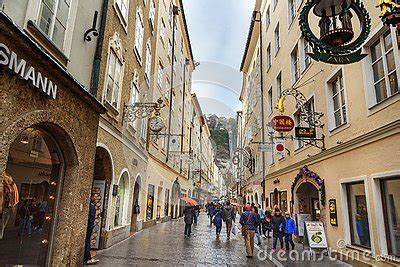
252 222
290 227
218 217
211 210
261 213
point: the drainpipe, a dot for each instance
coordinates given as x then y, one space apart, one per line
94 82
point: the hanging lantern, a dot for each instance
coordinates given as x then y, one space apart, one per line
390 12
337 43
335 24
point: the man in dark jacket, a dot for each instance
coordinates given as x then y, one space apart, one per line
92 215
250 221
278 224
228 215
189 213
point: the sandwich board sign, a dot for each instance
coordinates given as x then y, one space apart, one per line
315 235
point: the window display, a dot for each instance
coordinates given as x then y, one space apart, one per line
358 215
391 208
28 195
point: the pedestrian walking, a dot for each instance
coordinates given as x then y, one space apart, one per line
228 215
261 228
249 222
268 217
217 220
196 213
88 259
258 233
26 218
189 214
210 212
290 229
278 224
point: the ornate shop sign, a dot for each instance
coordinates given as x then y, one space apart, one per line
305 132
282 123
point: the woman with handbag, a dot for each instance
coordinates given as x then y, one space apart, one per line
249 221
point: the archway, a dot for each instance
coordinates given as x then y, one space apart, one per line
136 204
102 178
30 190
306 201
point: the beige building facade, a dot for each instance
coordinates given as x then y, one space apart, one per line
358 169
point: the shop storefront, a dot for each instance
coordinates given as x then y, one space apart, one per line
46 157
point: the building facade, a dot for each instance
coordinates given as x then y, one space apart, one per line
126 69
355 171
47 157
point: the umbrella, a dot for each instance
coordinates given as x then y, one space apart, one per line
189 201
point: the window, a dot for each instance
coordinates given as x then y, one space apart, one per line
292 11
269 57
114 72
277 39
160 74
53 18
279 84
139 33
123 8
270 100
152 13
143 132
307 49
162 31
148 62
169 49
391 208
384 67
338 109
358 214
299 122
134 99
294 57
267 19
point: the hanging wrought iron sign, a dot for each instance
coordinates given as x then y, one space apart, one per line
390 12
305 132
336 43
282 123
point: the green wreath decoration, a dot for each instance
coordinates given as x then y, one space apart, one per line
318 45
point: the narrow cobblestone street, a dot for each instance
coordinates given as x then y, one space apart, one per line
165 244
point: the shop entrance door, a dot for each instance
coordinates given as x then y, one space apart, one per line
29 191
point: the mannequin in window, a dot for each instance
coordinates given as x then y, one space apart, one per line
8 202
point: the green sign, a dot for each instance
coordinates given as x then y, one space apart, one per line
338 59
305 132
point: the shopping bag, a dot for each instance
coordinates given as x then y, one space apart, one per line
235 229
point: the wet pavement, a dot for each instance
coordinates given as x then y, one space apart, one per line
164 244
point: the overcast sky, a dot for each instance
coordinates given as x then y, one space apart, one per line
218 31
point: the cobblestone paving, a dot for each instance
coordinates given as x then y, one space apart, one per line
165 244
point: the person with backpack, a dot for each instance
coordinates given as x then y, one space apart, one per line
210 212
217 220
261 228
249 221
278 223
289 230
